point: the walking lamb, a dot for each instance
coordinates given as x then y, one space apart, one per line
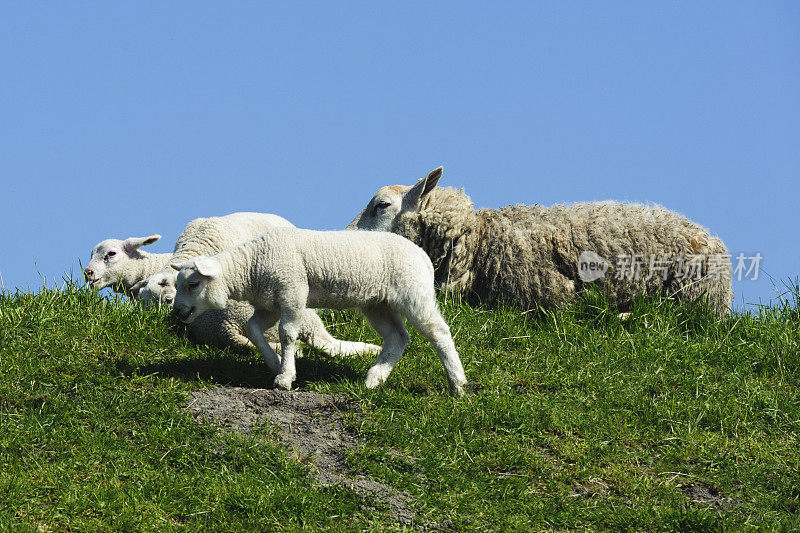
531 255
284 272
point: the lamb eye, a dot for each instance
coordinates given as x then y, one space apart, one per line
192 284
111 253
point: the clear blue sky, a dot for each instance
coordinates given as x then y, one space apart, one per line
126 120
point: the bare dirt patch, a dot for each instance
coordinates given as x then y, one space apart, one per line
311 427
707 495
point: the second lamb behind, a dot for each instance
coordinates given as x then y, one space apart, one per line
288 270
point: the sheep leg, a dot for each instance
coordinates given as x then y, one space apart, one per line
288 330
256 326
435 329
390 327
314 334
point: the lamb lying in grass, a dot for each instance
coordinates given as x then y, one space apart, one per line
124 267
208 236
284 272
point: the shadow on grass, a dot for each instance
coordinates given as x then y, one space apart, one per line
233 371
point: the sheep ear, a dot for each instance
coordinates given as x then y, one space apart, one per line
423 187
134 243
207 266
432 179
177 266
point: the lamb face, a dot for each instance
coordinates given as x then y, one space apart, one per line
392 201
112 257
159 289
199 287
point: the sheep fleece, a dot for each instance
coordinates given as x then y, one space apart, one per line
528 255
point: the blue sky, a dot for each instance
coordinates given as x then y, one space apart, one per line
121 120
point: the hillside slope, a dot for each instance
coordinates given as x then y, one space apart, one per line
669 420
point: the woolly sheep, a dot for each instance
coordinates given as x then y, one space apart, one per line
287 270
127 269
529 255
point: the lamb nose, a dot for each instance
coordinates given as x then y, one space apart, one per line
88 273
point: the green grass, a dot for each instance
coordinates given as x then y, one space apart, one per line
670 420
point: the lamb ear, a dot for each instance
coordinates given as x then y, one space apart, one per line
177 266
207 266
134 243
136 288
423 187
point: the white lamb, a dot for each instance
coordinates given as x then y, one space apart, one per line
284 272
126 268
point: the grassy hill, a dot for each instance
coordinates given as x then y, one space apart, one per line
668 420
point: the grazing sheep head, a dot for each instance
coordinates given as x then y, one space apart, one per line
199 287
112 258
159 289
392 201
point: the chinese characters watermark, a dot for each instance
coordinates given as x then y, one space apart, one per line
592 266
752 270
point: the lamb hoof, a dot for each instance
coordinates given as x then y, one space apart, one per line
283 381
374 378
457 390
457 385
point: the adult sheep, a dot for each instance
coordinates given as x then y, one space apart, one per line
126 268
532 255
